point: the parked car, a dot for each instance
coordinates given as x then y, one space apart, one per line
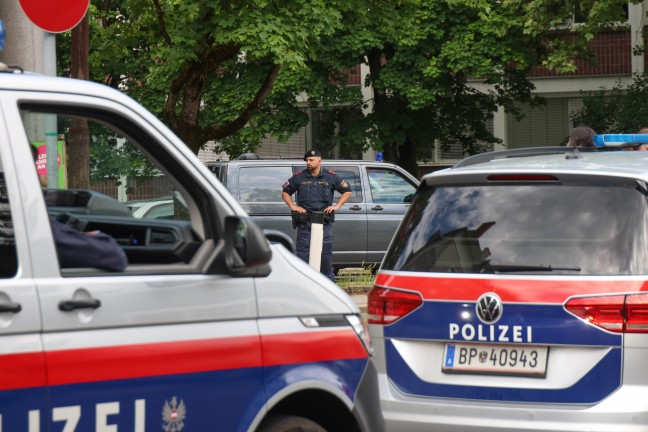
363 227
210 327
514 296
157 209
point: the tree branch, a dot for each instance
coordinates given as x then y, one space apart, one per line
160 16
223 130
191 75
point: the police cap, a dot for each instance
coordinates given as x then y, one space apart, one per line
312 153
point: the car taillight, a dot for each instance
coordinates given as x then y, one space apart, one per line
637 313
618 314
385 306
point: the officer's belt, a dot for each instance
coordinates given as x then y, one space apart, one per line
303 218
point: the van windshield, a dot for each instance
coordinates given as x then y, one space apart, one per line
524 229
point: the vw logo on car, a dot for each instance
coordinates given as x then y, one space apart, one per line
489 308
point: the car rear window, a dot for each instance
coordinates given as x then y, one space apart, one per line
524 229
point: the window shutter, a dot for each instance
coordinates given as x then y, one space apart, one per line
542 126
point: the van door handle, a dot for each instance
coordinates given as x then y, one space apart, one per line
355 208
70 305
377 208
10 307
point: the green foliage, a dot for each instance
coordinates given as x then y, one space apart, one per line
112 157
205 67
621 109
356 280
424 77
233 71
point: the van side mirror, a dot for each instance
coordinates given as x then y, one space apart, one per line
246 250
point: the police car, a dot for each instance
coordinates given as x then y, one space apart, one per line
209 328
514 295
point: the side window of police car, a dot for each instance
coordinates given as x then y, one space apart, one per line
8 258
105 181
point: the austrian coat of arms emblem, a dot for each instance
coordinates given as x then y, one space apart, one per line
173 415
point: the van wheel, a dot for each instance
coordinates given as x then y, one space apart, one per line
289 424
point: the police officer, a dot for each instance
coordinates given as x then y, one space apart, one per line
314 189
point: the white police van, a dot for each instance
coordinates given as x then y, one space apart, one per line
514 295
209 328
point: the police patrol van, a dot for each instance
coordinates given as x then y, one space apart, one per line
209 328
514 295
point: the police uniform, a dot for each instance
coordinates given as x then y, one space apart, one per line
82 249
315 193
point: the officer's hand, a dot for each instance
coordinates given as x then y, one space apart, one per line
300 210
331 209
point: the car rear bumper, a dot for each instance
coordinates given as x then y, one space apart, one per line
624 411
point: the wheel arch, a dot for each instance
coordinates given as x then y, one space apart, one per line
325 406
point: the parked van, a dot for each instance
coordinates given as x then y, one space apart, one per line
208 328
364 226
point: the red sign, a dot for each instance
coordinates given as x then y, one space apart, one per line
55 16
41 162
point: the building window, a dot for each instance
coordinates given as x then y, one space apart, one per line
541 126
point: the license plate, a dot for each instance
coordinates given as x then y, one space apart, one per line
515 360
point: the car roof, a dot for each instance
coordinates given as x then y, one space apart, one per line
632 164
296 162
28 81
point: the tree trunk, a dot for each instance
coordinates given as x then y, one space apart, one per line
402 154
407 157
78 150
78 137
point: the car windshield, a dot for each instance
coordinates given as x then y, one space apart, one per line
524 229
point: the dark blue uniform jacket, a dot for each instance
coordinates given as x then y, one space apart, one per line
79 249
315 193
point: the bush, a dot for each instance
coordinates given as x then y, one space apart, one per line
618 110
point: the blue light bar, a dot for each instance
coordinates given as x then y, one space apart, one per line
614 140
2 35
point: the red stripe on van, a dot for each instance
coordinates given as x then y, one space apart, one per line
22 370
312 347
170 358
148 360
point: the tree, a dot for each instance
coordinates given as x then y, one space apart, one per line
424 56
209 68
621 109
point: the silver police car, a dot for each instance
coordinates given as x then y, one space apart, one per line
514 296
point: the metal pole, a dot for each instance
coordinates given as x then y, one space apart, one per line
51 132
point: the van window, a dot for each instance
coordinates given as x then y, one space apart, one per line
8 258
389 187
262 184
352 176
105 178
